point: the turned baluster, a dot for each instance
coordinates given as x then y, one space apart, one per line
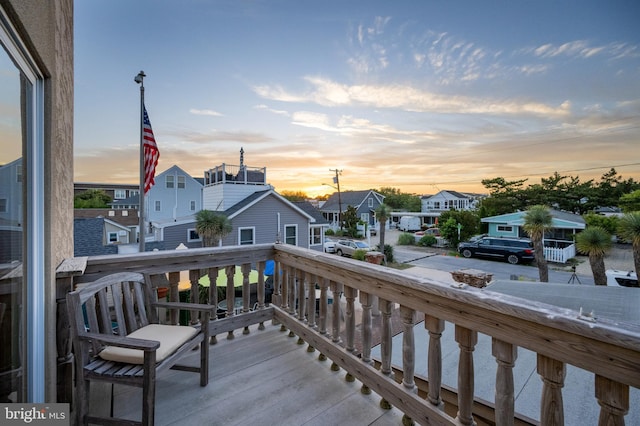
311 301
435 327
408 347
350 317
174 295
260 288
552 373
246 289
366 300
467 340
300 280
613 398
506 355
285 288
231 296
213 296
385 336
336 289
324 301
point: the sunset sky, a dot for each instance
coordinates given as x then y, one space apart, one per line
417 95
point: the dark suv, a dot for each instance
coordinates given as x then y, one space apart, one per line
513 250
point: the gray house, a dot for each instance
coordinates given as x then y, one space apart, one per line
257 213
365 202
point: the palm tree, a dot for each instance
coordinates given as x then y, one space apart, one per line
382 215
629 229
536 221
212 227
595 242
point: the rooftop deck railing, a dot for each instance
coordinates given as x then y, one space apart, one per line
610 351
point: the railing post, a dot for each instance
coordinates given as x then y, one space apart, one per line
194 277
613 398
552 373
246 289
435 327
506 355
213 296
311 301
260 289
408 347
467 340
300 280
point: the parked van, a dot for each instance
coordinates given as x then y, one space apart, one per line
410 224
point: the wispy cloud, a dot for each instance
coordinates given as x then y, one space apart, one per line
271 110
584 50
208 112
329 93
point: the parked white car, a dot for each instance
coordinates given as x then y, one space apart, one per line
329 246
617 278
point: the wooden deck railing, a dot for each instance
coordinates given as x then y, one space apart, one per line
558 336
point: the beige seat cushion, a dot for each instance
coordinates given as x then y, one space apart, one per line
171 337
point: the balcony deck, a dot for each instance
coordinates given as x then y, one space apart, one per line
262 378
267 378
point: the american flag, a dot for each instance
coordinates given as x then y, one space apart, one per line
151 153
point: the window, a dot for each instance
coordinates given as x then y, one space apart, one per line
315 236
119 194
291 234
245 236
181 182
133 192
370 202
125 213
23 230
112 213
193 236
364 217
192 205
158 206
113 237
505 228
3 205
169 180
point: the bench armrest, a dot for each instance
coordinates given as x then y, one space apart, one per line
185 306
122 341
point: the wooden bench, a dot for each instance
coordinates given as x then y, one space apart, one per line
117 339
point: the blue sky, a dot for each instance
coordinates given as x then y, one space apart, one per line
420 95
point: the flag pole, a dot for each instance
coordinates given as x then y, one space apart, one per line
141 225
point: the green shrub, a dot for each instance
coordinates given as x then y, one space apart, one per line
406 239
388 252
427 241
359 254
329 232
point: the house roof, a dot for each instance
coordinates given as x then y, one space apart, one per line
174 168
560 219
130 220
312 211
349 198
88 237
252 199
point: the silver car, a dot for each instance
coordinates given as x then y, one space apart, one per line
348 247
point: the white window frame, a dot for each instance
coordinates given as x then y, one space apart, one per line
4 205
504 228
169 181
119 194
190 232
34 252
295 236
370 202
182 182
111 240
157 206
192 205
315 236
253 235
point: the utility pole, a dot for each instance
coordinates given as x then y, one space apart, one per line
336 180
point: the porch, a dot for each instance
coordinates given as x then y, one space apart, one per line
244 379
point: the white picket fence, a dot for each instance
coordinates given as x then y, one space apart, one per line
559 255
